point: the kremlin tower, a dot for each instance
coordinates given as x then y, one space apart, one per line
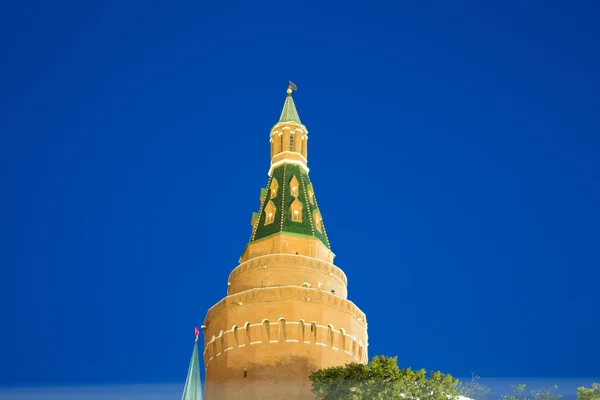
286 313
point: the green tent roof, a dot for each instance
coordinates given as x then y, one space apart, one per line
283 199
193 387
289 113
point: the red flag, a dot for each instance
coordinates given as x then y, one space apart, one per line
197 332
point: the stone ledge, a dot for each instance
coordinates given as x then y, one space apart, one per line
286 293
291 260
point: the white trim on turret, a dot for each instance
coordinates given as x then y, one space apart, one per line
292 152
288 161
338 269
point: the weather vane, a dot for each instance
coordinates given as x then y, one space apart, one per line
291 87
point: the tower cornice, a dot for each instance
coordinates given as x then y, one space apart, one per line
283 123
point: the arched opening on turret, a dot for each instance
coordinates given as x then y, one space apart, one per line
353 345
235 336
247 333
265 331
221 343
270 210
313 332
273 188
296 210
213 347
292 144
280 143
294 186
301 331
342 339
330 335
281 327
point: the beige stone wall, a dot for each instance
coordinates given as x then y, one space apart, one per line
287 270
285 243
277 329
279 335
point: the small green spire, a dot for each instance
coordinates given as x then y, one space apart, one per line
193 387
289 113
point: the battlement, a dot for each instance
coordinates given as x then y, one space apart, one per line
278 332
263 296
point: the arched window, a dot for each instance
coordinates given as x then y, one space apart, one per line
270 210
313 332
213 346
265 331
294 186
221 342
281 334
318 220
273 187
235 336
247 333
280 142
296 210
291 141
342 339
301 331
330 335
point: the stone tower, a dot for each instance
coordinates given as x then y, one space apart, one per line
286 313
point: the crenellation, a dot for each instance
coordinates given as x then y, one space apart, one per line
279 332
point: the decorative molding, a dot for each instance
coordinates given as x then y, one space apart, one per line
294 153
288 161
359 352
294 260
286 293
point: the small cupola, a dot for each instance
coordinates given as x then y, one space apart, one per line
289 137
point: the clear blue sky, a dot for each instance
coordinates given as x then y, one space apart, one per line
454 151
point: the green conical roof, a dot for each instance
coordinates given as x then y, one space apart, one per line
193 387
289 113
280 199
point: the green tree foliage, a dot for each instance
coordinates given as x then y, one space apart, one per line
519 393
592 393
473 389
381 379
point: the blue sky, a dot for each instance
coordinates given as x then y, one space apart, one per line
454 152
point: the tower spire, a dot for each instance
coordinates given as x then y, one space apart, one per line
193 387
289 113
